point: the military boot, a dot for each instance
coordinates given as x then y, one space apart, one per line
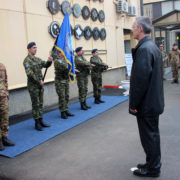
88 107
83 107
7 142
63 115
96 101
68 113
42 123
101 101
1 145
38 125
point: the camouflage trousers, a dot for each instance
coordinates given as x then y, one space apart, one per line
175 68
62 89
4 116
96 79
82 82
36 95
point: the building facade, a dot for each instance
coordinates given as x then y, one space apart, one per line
23 21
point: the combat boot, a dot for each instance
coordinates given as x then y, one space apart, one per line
88 107
38 125
101 101
42 123
96 101
7 142
63 115
68 113
1 145
83 107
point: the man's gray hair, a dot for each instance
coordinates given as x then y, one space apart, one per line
145 23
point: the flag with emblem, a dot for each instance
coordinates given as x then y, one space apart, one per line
64 45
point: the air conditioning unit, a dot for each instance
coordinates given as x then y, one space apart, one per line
121 6
132 11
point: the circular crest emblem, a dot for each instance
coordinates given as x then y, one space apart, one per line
96 33
103 34
64 6
78 31
87 32
94 14
76 10
101 16
53 6
54 29
85 12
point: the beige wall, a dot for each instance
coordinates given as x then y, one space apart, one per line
23 21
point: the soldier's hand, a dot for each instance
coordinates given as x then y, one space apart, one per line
50 59
41 83
76 70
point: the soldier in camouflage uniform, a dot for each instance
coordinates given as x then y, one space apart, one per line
82 72
4 109
35 83
62 84
165 58
174 56
96 75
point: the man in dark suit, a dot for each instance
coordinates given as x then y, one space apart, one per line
147 95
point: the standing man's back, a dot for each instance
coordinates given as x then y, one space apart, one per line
147 96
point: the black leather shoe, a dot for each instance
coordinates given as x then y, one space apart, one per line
69 114
83 107
88 107
146 173
142 166
1 145
63 115
42 123
7 142
101 101
38 125
96 101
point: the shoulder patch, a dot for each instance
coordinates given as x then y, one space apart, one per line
60 61
26 65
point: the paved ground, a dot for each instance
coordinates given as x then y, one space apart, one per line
102 148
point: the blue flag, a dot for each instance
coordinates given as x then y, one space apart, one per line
64 45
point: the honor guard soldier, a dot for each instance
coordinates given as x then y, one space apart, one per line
165 58
96 75
4 109
62 84
174 56
82 72
35 83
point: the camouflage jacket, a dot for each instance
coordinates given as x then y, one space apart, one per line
174 56
99 65
164 55
82 65
61 69
33 66
3 81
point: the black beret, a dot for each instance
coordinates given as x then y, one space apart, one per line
30 45
94 50
175 44
78 49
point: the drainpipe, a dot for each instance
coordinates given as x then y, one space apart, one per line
142 8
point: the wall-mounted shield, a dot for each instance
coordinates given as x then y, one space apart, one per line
96 33
85 12
76 10
78 31
54 29
103 34
101 16
53 6
87 32
64 6
94 14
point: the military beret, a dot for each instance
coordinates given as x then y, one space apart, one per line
175 44
30 45
78 49
94 50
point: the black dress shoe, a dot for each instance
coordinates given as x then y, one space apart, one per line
146 173
1 145
96 101
42 123
69 114
38 125
7 142
101 101
83 107
142 166
63 115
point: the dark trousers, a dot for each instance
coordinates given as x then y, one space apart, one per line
150 139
